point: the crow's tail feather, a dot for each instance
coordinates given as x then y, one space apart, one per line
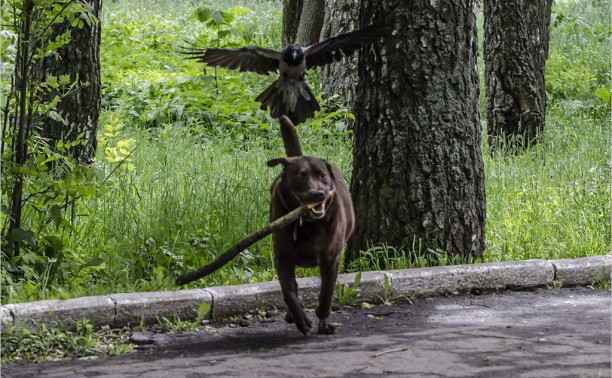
294 100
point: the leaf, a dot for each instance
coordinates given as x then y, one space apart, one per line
96 261
6 211
28 171
217 17
19 234
56 117
236 32
64 79
203 310
202 14
56 215
52 81
227 17
604 94
54 242
87 190
238 10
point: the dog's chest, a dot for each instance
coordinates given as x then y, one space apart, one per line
307 243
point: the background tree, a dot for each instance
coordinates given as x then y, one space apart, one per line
341 16
302 21
49 120
515 50
78 109
418 175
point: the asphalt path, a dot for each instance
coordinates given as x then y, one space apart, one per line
539 333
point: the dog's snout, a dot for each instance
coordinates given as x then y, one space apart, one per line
318 195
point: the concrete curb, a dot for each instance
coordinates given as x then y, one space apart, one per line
135 308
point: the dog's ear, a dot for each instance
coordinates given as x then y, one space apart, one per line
284 161
330 170
277 161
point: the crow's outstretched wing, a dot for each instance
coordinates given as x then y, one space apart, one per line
252 58
335 48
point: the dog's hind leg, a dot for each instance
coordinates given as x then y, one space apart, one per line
289 288
329 275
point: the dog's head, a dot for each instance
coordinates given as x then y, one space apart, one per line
308 180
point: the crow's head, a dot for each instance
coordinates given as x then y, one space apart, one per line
293 55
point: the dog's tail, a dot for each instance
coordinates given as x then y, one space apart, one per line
290 138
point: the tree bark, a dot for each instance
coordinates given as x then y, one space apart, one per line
302 21
292 10
418 174
311 22
341 16
79 59
515 51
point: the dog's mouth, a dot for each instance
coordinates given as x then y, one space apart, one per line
318 211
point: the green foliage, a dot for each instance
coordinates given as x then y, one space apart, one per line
42 182
578 69
386 299
197 181
49 219
346 295
174 324
553 200
169 88
20 345
386 257
604 281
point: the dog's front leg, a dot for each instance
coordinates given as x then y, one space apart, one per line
289 288
329 275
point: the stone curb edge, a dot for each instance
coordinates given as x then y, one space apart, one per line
118 310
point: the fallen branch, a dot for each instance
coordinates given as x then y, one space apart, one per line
243 244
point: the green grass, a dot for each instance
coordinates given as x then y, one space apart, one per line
197 181
20 345
551 201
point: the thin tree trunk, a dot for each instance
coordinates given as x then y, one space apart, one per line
21 81
418 175
515 52
341 78
292 10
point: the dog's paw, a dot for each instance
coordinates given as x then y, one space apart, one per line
289 318
325 327
304 324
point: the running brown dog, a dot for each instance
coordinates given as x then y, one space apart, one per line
318 237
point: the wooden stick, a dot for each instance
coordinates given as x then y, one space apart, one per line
243 244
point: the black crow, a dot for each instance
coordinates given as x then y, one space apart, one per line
290 94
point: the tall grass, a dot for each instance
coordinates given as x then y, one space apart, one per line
553 201
197 182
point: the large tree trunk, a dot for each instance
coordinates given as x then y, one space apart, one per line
341 16
80 109
515 52
418 175
302 21
311 22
